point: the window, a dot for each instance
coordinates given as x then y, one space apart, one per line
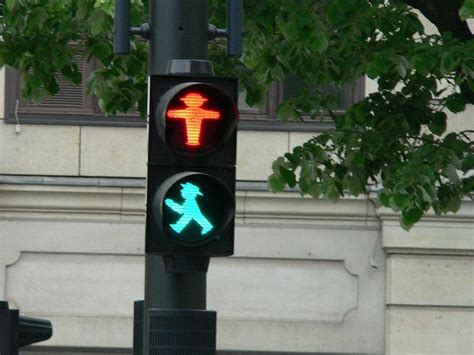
266 117
345 96
72 106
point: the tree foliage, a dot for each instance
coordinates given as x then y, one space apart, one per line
41 38
395 138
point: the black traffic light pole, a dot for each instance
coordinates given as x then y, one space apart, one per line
178 30
175 285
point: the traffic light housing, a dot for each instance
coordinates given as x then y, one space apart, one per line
17 331
191 165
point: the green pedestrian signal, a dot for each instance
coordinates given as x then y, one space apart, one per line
189 210
193 208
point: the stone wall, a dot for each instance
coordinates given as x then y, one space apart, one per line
300 280
430 285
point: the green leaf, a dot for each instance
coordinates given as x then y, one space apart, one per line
289 30
359 159
276 183
402 70
410 217
467 10
293 159
372 72
332 193
286 111
303 184
336 9
277 73
451 173
82 11
438 124
457 145
355 186
470 83
101 50
98 22
468 186
277 163
71 72
38 17
384 199
449 61
426 196
415 22
402 65
455 103
468 163
10 4
320 42
314 190
454 204
288 176
319 154
400 201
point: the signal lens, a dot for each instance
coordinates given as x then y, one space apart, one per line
198 118
193 116
196 207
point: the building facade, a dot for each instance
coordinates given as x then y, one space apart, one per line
307 276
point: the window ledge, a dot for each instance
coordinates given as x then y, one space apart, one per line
276 125
124 121
76 120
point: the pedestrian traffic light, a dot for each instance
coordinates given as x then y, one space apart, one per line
191 165
193 207
196 118
17 331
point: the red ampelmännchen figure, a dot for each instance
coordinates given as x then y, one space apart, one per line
193 115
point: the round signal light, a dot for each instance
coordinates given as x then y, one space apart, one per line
195 118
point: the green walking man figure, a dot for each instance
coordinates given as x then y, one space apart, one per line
189 209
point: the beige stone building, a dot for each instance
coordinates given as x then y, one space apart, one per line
307 276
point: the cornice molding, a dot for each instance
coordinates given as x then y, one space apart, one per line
450 234
107 202
253 204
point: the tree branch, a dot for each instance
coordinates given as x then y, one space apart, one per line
444 14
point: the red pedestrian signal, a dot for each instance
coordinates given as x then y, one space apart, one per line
193 116
196 118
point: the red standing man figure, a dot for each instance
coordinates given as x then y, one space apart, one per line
193 115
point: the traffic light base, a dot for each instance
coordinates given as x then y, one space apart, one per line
184 264
181 331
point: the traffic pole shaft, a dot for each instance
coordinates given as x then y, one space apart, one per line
179 30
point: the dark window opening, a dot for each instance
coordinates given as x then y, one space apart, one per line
72 106
345 96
